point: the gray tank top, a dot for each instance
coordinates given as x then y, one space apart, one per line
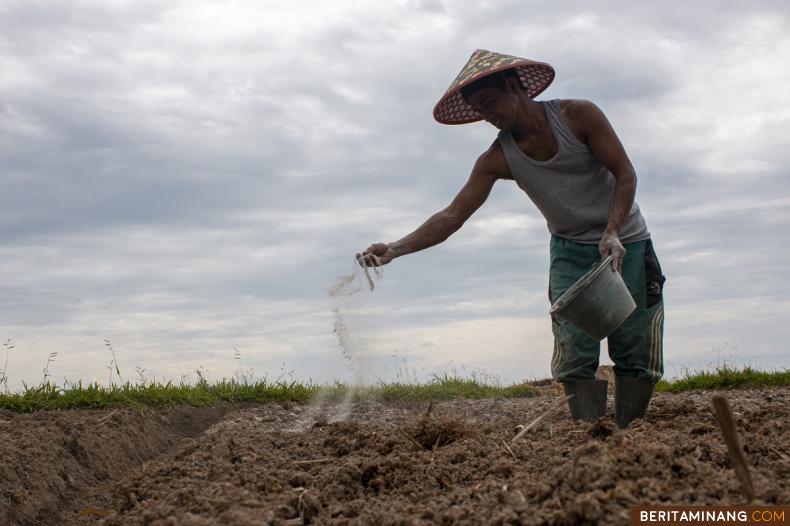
572 190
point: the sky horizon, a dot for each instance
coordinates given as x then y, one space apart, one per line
189 180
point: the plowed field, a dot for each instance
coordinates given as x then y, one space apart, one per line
384 464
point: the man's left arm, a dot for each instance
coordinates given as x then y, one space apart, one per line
599 135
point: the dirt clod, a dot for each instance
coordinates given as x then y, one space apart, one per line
601 429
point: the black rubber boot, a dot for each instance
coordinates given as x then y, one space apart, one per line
589 399
631 398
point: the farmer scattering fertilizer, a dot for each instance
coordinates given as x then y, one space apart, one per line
567 158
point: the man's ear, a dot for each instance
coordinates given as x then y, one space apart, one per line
514 85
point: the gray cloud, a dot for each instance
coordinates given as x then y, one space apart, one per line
190 178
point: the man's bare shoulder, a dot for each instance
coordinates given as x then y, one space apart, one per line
580 115
577 107
493 162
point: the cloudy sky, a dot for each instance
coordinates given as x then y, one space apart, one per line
186 178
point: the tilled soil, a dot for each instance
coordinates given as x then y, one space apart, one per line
54 464
392 464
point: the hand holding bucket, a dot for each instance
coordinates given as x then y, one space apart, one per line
598 303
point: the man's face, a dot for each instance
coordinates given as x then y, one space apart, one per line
497 105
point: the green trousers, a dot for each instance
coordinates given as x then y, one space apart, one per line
636 347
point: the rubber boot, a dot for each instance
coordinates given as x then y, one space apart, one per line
589 399
631 397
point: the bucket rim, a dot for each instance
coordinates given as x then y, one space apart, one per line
570 294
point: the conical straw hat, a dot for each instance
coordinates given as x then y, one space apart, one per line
453 109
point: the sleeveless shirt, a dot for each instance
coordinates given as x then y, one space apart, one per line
572 190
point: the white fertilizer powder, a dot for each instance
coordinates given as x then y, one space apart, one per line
349 297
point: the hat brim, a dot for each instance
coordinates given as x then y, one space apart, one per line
535 77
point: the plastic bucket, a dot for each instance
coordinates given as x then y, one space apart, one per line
598 303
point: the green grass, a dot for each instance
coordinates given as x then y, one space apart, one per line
95 396
163 395
725 377
447 388
158 395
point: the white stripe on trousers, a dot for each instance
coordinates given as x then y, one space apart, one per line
656 337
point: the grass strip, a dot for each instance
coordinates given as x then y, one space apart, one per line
447 387
158 395
95 396
725 377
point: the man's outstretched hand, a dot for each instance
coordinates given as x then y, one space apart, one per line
376 255
610 244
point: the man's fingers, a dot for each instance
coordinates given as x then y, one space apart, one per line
374 256
361 259
611 246
371 260
374 260
617 260
620 257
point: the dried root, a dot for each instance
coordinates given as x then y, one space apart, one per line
432 433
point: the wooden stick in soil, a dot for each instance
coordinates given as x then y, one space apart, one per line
539 419
730 435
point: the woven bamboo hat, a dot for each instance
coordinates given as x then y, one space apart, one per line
453 109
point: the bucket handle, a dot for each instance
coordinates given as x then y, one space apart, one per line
605 261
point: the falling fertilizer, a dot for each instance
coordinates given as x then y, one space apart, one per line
347 296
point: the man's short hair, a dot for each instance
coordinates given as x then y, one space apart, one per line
495 80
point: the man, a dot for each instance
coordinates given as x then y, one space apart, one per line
565 155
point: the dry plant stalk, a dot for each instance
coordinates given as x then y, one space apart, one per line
539 419
428 410
92 511
315 461
106 417
509 451
431 432
728 431
780 454
411 438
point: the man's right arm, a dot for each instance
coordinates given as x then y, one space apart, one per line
444 223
